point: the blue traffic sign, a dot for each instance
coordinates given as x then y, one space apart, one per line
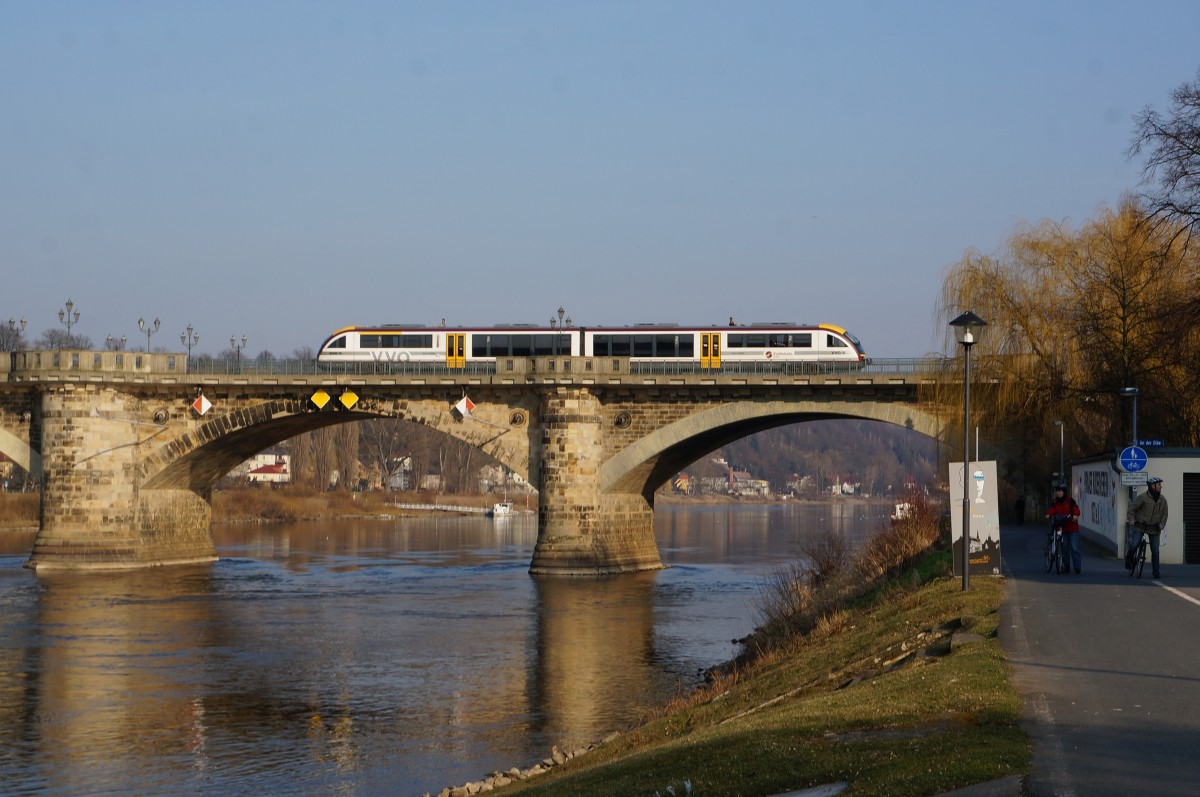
1133 459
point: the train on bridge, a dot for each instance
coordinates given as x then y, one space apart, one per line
705 347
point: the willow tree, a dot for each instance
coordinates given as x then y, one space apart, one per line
1074 316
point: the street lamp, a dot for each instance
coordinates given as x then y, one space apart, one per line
68 317
114 344
237 347
967 328
1062 474
1132 392
189 339
149 330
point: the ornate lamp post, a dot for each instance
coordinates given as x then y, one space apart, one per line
237 348
114 344
68 316
189 339
967 328
149 330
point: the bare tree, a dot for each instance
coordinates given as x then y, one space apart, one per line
345 454
12 336
1074 316
1172 148
60 339
383 443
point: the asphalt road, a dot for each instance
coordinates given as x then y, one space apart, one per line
1109 668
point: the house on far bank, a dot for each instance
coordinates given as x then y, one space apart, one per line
275 473
272 466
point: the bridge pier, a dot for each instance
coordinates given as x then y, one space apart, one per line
94 514
582 532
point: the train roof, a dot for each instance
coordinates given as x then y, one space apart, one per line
639 326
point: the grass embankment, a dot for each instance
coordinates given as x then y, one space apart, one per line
865 689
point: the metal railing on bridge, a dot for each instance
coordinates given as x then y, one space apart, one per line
279 367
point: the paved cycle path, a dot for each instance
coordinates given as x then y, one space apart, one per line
1109 669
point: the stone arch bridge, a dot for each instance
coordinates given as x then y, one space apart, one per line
127 460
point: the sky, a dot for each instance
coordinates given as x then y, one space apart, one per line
278 170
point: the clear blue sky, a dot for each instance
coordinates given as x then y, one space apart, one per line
281 169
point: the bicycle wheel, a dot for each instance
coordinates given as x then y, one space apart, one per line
1139 559
1050 555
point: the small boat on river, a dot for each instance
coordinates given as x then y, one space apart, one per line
501 509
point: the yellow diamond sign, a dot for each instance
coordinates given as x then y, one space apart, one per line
348 398
320 398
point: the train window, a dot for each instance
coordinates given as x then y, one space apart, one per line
687 346
543 344
834 342
733 341
621 345
522 345
756 341
337 343
664 345
500 345
803 340
643 345
601 346
777 341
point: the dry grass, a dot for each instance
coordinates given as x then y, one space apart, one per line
807 598
19 510
263 504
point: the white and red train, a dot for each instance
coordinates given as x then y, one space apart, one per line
705 347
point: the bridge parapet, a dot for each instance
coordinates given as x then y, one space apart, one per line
51 365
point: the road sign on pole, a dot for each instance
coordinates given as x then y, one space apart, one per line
1133 459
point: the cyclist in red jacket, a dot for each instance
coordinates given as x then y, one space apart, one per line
1064 510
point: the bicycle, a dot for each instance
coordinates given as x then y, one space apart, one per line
1136 560
1056 551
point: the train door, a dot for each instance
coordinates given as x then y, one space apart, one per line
710 349
456 345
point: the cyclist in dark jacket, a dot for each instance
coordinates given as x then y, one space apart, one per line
1064 510
1148 514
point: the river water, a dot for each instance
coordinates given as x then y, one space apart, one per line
381 657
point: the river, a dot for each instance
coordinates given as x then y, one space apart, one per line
367 657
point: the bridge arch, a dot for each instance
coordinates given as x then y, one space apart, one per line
196 458
650 461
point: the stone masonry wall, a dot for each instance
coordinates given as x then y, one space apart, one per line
581 532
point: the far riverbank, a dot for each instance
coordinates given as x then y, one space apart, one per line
20 511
